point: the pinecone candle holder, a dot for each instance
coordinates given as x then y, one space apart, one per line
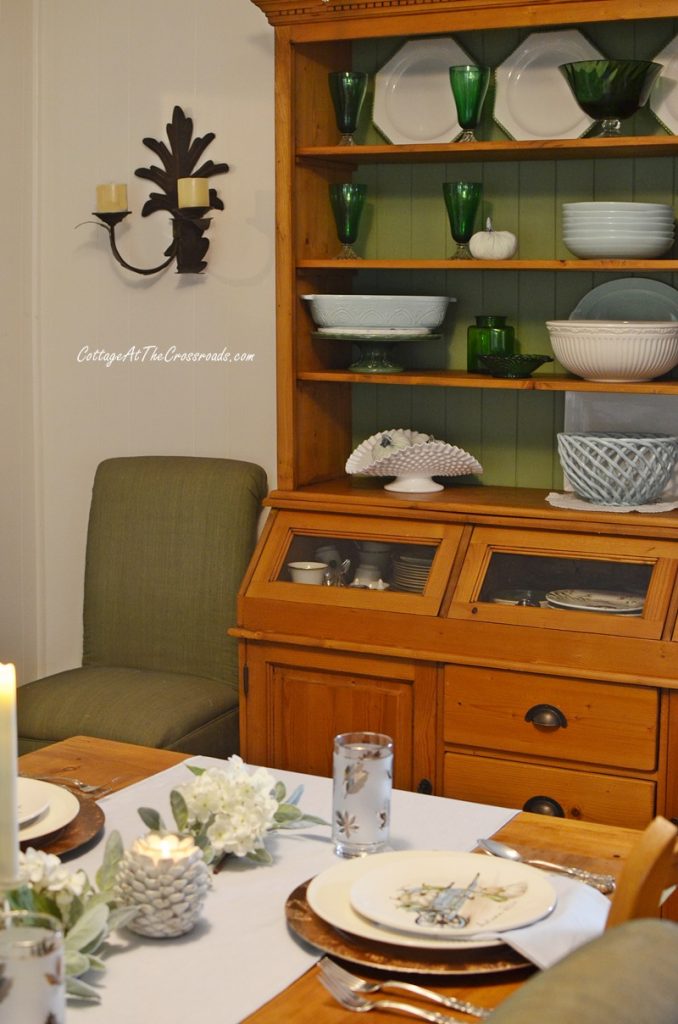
166 877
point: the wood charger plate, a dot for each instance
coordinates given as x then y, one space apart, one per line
405 960
86 825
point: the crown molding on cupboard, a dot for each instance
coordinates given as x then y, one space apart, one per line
464 13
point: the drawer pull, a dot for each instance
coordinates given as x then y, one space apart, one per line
544 805
547 716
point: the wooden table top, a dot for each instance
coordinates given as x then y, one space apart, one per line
599 848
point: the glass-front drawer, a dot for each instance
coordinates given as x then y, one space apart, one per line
356 560
613 585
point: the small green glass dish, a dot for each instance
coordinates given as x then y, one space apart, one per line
514 366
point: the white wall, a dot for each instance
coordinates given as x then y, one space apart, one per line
17 511
108 76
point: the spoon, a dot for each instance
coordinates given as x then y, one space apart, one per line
604 883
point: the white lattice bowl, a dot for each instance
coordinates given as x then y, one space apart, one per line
379 311
617 468
615 350
412 458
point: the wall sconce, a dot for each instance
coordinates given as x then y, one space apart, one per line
187 197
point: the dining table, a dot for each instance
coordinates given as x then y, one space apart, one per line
245 958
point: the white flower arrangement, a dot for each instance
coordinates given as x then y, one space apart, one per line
87 913
230 810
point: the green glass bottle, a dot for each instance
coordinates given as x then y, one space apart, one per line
489 335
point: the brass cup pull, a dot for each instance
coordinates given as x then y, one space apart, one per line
546 716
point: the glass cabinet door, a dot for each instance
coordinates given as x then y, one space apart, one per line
357 561
614 585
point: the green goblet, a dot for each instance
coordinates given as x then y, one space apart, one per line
469 87
462 199
347 202
347 89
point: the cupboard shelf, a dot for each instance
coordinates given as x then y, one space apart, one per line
493 151
461 379
581 266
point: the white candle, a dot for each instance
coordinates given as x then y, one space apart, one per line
193 192
111 198
166 877
9 828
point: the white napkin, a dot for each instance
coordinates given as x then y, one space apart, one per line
579 916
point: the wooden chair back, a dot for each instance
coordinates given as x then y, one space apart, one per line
651 867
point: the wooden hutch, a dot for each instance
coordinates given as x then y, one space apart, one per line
562 711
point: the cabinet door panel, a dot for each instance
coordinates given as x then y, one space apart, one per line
603 723
311 707
586 796
296 699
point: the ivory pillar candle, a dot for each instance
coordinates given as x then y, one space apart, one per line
9 828
193 192
111 198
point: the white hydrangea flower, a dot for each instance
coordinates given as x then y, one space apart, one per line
241 804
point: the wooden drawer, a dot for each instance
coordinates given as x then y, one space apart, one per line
605 724
586 796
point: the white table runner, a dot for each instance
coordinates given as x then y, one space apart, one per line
241 953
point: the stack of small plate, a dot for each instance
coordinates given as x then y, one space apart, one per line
618 230
410 571
611 602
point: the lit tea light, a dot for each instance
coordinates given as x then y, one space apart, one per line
165 876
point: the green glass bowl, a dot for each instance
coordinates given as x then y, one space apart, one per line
516 365
611 88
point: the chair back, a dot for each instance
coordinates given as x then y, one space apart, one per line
650 869
168 543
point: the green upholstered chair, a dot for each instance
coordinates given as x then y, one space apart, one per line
627 976
168 543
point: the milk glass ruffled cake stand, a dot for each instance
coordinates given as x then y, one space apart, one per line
412 458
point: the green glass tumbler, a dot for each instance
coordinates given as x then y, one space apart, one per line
469 83
347 89
462 199
347 201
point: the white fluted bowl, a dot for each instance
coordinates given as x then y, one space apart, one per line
615 350
378 311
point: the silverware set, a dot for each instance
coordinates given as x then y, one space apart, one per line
348 990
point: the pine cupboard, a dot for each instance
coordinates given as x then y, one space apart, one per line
562 710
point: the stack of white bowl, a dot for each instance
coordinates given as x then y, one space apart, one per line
618 230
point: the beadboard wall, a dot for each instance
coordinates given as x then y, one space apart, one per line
512 433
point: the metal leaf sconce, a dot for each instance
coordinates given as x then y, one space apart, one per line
187 197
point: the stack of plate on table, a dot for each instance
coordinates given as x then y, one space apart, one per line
421 911
611 602
618 230
411 571
45 812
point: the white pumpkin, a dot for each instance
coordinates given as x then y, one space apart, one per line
493 245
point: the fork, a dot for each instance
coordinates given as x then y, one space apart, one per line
355 984
85 788
353 1001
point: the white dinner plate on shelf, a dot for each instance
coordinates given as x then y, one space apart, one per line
63 808
329 896
533 100
413 101
628 298
663 100
411 894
